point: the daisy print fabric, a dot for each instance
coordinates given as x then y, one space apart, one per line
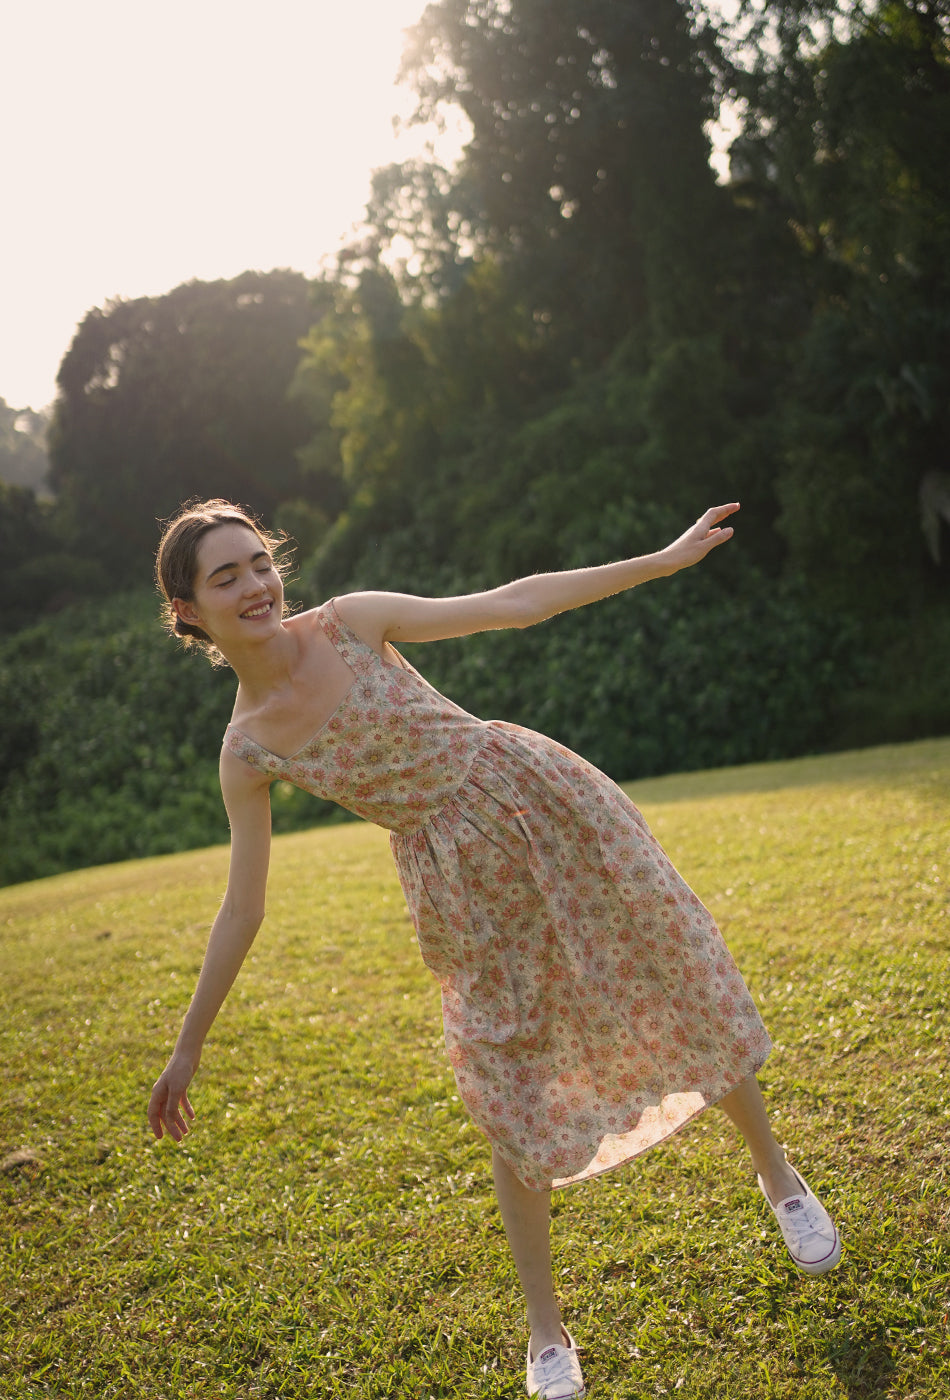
590 1005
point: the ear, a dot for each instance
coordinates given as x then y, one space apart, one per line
186 611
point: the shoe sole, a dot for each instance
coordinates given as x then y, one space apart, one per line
565 1395
820 1266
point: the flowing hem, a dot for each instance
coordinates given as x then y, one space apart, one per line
593 1170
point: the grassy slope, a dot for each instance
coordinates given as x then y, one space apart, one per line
328 1228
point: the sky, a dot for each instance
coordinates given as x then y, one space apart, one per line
143 145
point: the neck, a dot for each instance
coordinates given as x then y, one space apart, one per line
263 667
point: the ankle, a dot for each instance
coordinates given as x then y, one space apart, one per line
778 1178
548 1332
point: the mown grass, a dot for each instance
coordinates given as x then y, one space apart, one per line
328 1228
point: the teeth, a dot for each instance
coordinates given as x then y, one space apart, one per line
257 612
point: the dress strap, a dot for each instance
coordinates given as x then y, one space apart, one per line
243 746
357 654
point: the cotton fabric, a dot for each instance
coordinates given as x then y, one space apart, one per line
589 1002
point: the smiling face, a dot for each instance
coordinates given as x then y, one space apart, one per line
238 595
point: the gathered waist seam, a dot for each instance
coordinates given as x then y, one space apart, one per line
434 812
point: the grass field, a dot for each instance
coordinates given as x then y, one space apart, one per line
328 1228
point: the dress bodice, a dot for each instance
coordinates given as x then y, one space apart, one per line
394 750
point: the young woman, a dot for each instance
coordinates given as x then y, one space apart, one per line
590 1005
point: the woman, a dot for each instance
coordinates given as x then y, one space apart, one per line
589 1003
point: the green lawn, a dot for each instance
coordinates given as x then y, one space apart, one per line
328 1228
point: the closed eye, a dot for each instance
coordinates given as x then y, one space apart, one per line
261 569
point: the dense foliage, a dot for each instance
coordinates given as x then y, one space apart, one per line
109 743
591 339
23 460
163 396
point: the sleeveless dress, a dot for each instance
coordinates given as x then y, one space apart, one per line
590 1005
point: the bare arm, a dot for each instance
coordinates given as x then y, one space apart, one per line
400 617
247 798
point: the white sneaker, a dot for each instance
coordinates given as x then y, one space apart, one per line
555 1374
808 1230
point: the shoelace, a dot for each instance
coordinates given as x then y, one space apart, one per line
556 1370
805 1222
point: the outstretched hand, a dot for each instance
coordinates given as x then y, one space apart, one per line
696 542
169 1098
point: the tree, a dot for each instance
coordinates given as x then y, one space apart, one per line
23 459
588 168
164 398
851 133
36 573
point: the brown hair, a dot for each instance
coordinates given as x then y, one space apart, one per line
176 563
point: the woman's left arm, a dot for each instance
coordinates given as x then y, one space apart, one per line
400 617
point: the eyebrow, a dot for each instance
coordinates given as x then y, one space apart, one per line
261 554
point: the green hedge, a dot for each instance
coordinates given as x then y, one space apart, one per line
110 733
109 742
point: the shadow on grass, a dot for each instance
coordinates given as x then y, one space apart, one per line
862 1360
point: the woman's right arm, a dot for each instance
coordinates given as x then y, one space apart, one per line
247 799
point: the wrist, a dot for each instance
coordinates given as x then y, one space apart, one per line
187 1054
663 564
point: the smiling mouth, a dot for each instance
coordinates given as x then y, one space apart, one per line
261 610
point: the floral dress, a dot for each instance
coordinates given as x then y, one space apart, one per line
590 1005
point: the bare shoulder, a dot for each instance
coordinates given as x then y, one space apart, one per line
303 624
367 614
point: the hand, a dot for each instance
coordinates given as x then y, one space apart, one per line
696 542
169 1097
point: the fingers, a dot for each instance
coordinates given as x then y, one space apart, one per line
156 1105
165 1115
714 514
701 538
173 1119
708 527
176 1126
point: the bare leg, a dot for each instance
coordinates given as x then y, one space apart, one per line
527 1219
746 1108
